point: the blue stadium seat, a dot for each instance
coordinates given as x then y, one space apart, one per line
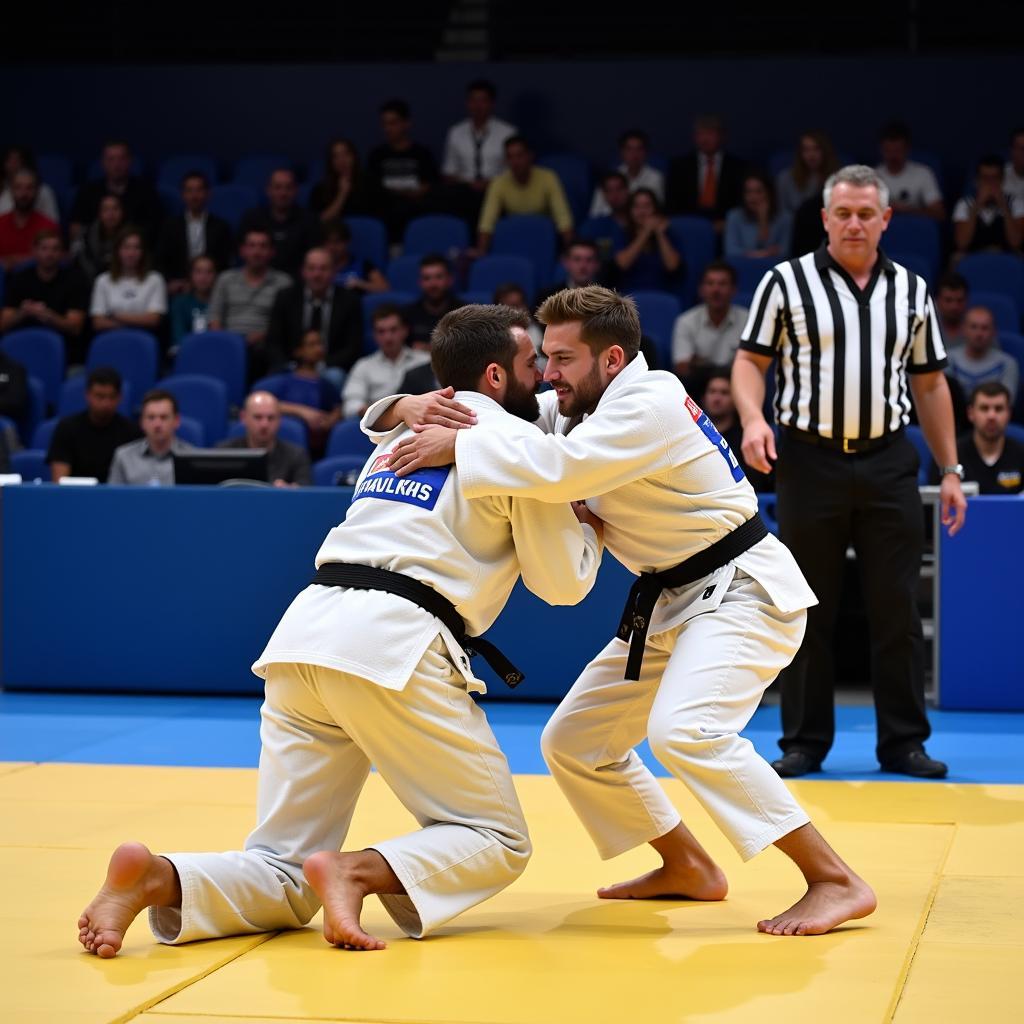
436 233
658 312
374 299
404 273
908 233
605 233
56 171
574 173
255 170
220 354
1016 431
43 433
292 430
72 397
1013 345
697 239
532 237
204 399
750 270
31 464
477 298
41 352
171 199
347 439
191 430
330 472
916 435
173 169
488 272
369 240
231 201
1004 310
995 272
36 408
132 352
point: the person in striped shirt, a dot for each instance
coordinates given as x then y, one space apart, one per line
853 336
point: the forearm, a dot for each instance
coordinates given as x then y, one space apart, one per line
59 470
10 318
935 414
748 388
148 321
669 256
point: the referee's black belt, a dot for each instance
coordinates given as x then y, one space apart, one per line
846 445
366 577
644 594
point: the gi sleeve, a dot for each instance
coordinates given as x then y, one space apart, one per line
764 323
374 413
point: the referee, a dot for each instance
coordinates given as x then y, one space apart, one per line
846 326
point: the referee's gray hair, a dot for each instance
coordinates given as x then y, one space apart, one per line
859 175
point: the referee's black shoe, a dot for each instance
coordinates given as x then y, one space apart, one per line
918 764
796 763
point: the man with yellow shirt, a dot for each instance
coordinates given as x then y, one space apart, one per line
521 189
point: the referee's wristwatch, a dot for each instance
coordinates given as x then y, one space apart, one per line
957 470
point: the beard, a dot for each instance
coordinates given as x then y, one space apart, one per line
582 398
521 401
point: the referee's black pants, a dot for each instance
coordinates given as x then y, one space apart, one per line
828 500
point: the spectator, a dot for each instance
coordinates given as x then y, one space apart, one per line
19 227
991 220
14 159
349 270
317 304
521 189
138 198
633 151
980 359
808 230
436 299
14 397
306 393
650 259
96 247
708 181
912 186
609 231
150 460
243 297
401 172
814 161
341 192
48 294
195 232
84 444
287 463
129 294
293 231
583 266
378 375
950 305
709 334
190 310
513 296
994 461
757 229
718 404
1013 172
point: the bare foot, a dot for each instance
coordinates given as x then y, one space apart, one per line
825 905
136 879
339 879
691 882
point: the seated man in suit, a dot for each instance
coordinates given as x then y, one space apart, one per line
195 232
317 304
707 182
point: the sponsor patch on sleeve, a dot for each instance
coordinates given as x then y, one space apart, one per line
710 431
420 488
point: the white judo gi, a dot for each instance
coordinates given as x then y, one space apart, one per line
652 465
357 677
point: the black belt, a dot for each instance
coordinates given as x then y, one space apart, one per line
644 594
366 577
846 445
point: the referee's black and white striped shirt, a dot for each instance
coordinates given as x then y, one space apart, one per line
843 354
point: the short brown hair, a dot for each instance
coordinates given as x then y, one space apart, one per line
385 310
468 339
158 395
991 389
116 270
605 317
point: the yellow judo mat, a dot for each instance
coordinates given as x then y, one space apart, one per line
947 943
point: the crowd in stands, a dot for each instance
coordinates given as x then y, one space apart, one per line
320 296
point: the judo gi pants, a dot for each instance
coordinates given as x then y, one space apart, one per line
700 684
321 730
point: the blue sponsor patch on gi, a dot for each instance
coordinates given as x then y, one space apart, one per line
710 431
420 488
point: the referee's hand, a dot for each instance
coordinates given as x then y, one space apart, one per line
759 446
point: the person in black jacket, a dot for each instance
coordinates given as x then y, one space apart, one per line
317 304
707 182
13 388
195 232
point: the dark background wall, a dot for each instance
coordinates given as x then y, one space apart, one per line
957 106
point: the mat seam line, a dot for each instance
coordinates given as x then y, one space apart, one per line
915 942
